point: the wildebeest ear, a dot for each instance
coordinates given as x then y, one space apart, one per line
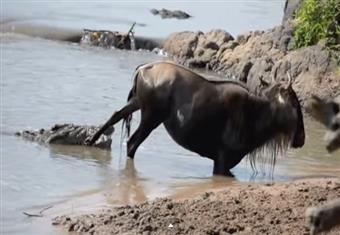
263 82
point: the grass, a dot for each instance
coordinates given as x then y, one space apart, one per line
318 20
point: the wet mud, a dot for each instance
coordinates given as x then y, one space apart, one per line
248 209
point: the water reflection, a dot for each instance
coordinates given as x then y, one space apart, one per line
90 154
121 185
129 187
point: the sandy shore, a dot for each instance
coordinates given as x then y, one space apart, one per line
247 209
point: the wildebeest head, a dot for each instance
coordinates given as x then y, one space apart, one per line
328 113
282 94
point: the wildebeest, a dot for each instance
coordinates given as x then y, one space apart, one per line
327 112
325 217
220 120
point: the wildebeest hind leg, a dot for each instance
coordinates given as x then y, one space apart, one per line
149 121
131 107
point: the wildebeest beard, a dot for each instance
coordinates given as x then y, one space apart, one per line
267 154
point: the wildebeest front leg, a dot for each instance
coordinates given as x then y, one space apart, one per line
131 107
149 121
221 166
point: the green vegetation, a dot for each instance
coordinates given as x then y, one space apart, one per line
318 20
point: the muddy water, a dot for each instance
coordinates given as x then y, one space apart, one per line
46 82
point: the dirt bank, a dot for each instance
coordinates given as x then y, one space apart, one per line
248 209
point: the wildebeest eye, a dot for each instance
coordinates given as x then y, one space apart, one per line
335 108
316 222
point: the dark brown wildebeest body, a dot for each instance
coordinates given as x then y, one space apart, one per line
220 120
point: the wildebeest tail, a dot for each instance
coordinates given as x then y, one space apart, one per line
127 120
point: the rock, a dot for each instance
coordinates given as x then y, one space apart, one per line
315 59
196 49
182 44
207 46
217 37
68 134
167 14
290 8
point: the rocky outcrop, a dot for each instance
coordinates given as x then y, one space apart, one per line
259 54
167 14
289 10
68 134
196 49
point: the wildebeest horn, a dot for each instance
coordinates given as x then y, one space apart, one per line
263 82
273 79
289 79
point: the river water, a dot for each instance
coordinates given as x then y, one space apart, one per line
44 82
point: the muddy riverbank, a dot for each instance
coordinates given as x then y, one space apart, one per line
247 209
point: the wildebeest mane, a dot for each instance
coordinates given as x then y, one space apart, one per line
267 153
